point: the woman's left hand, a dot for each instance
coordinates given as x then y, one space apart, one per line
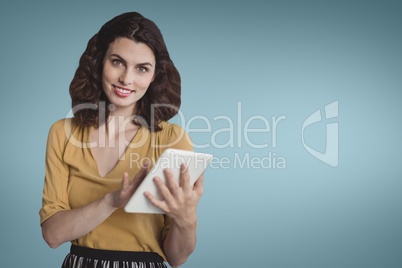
180 199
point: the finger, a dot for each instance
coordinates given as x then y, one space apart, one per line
165 192
139 177
125 182
157 203
142 172
185 178
199 185
171 182
125 190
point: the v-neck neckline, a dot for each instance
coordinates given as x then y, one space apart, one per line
89 139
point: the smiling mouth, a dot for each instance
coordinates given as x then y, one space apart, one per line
122 92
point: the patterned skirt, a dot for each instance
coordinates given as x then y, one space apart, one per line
81 257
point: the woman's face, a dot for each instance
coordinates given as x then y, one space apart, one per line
128 70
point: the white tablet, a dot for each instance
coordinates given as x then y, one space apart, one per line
171 159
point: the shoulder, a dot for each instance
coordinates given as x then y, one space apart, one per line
62 130
57 128
63 126
58 124
173 135
169 129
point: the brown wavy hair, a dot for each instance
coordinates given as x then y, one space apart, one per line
163 94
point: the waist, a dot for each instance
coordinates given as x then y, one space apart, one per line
115 255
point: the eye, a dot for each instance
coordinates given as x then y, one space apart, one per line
117 62
143 69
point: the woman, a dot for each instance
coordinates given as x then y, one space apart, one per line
123 92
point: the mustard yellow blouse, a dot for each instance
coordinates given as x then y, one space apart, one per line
72 180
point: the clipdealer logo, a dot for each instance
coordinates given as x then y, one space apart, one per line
232 132
331 154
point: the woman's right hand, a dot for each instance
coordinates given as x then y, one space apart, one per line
120 197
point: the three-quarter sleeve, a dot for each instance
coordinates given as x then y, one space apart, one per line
55 193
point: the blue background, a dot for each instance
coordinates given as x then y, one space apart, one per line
276 58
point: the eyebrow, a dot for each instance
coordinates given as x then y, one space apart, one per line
121 58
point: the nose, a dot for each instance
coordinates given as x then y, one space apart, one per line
126 77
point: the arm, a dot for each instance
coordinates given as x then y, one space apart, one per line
180 202
180 243
67 225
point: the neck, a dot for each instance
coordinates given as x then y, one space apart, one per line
124 112
120 119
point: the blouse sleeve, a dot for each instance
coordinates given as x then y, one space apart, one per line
55 197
